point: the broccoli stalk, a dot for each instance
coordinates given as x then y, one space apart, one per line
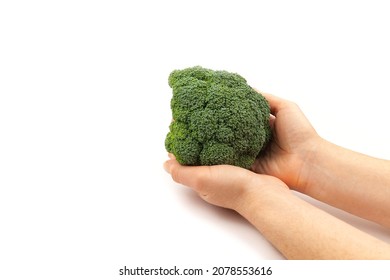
217 118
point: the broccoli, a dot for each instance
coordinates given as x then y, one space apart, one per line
217 118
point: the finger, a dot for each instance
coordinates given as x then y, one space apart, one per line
272 121
191 176
275 103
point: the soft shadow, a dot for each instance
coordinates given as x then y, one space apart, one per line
234 224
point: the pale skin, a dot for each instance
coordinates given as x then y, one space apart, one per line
299 159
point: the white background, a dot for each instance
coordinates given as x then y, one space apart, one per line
84 110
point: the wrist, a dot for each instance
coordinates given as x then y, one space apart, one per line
311 158
261 195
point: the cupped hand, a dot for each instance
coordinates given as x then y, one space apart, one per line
294 143
222 185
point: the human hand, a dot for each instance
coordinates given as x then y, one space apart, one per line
294 142
223 185
292 225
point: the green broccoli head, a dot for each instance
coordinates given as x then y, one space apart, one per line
217 118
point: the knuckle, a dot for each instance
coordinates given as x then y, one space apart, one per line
200 181
175 173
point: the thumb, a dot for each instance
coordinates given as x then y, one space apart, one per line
191 176
221 185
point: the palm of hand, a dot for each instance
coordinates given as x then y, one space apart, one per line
293 144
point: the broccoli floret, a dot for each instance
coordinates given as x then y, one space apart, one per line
217 118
